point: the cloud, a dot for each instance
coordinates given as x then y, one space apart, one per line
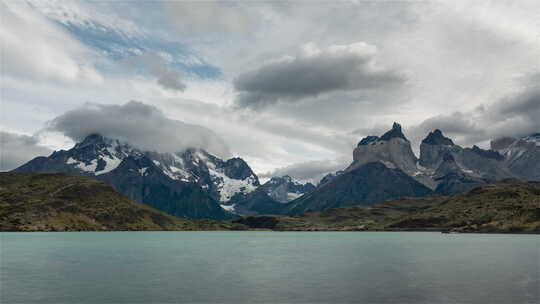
310 171
516 114
155 65
315 71
17 149
210 17
455 55
139 124
33 48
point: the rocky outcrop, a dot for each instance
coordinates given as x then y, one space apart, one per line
434 147
392 149
395 132
437 138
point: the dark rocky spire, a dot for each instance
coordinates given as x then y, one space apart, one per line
437 138
367 140
394 132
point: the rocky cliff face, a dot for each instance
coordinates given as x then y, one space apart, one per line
434 147
392 149
443 166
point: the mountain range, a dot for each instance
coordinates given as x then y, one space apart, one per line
196 184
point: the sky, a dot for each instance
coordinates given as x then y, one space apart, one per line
291 87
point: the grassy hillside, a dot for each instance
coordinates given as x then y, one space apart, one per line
63 202
503 207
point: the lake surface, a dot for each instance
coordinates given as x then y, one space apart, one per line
268 267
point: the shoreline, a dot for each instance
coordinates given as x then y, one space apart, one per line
274 230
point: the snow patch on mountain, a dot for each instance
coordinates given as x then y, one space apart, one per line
111 162
227 187
293 195
229 208
91 167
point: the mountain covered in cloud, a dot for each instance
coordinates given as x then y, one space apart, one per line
192 183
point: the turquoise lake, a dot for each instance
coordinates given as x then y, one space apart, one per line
268 267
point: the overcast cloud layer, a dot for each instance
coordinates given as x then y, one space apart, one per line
515 115
313 72
289 86
17 149
141 125
155 65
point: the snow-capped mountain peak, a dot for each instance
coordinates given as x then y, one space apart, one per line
97 155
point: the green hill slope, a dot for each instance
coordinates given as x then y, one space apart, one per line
63 202
502 207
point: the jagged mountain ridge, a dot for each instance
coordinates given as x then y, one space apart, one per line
441 162
192 183
453 169
442 168
392 149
